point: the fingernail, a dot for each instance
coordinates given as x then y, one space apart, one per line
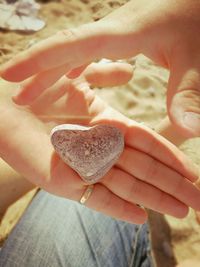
192 120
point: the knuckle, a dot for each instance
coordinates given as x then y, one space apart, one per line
135 190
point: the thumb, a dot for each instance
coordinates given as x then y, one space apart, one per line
183 98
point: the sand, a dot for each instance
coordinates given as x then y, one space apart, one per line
142 99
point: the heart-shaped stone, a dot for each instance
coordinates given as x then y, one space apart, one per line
90 151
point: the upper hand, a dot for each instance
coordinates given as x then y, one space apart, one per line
165 31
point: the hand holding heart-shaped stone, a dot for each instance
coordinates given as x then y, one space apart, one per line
90 151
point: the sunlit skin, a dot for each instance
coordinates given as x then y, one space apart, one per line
166 31
151 171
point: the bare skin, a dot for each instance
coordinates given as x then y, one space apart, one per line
14 185
158 178
166 31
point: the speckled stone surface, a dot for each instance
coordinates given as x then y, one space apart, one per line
90 151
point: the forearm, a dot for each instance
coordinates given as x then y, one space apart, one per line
12 186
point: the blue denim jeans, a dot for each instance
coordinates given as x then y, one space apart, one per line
55 232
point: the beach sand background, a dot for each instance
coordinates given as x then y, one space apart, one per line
142 99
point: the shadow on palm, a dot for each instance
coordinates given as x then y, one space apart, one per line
72 101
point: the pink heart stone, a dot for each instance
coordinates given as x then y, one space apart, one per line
90 151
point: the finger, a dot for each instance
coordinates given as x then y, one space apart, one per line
108 74
33 87
103 200
73 97
47 99
77 46
142 138
53 52
152 171
95 74
137 191
66 101
76 72
149 142
67 183
183 97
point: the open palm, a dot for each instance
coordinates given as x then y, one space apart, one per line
151 172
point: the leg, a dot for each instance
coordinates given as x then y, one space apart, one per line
58 232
